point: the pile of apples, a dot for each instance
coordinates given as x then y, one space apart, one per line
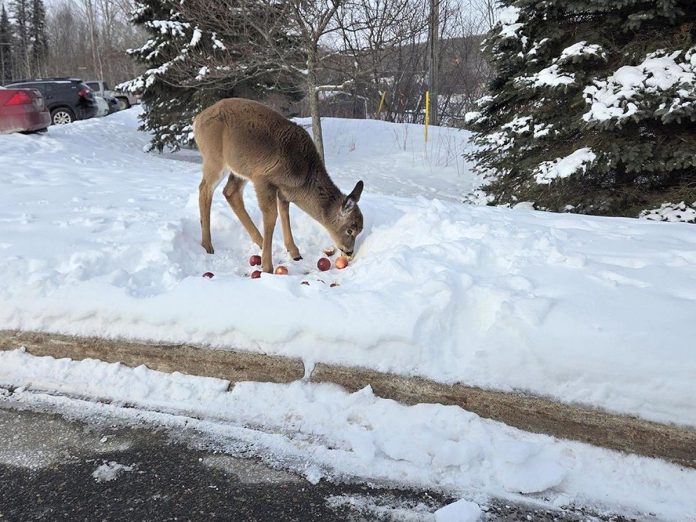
323 264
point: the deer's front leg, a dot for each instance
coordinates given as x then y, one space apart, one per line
290 246
267 196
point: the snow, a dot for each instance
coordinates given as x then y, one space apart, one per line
196 37
580 49
551 76
460 511
110 471
564 167
620 95
99 238
169 27
672 212
340 434
508 19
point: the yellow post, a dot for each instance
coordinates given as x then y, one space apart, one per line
427 114
381 102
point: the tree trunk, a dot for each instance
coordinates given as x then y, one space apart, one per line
313 95
96 52
434 60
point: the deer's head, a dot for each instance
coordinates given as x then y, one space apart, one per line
347 221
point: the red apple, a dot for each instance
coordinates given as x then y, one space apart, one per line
209 275
323 264
255 260
256 274
329 251
342 262
281 270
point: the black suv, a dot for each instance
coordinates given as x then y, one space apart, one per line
68 99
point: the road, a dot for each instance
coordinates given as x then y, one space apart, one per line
54 469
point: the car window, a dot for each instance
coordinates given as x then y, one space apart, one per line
106 86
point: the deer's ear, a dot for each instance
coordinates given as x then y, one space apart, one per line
353 197
357 191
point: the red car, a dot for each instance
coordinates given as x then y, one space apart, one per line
22 110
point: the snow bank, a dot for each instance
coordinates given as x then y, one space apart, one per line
98 238
360 435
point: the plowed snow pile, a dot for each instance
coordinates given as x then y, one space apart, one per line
100 238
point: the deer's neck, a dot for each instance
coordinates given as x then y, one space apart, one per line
319 197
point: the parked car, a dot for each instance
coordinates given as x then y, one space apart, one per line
125 99
68 99
114 105
23 110
102 107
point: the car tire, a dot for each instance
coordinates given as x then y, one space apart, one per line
123 104
61 116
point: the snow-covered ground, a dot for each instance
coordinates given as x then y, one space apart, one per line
323 431
100 238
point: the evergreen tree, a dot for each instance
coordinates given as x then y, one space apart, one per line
191 66
592 107
38 38
21 14
6 58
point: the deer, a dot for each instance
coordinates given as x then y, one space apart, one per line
255 143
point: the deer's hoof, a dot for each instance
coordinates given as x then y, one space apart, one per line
298 258
208 248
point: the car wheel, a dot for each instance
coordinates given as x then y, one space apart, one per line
62 116
123 104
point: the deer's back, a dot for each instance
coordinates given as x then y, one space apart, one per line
253 140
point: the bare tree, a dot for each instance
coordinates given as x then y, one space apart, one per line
89 39
306 24
379 38
95 45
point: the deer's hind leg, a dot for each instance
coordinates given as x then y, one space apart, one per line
284 211
233 192
212 174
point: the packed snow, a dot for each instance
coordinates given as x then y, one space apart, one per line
340 434
460 511
110 471
100 238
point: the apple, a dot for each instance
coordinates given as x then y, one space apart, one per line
209 275
329 251
255 260
324 264
342 262
256 274
281 270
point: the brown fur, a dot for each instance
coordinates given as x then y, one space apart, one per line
255 143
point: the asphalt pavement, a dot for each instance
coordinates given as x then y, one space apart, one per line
54 469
